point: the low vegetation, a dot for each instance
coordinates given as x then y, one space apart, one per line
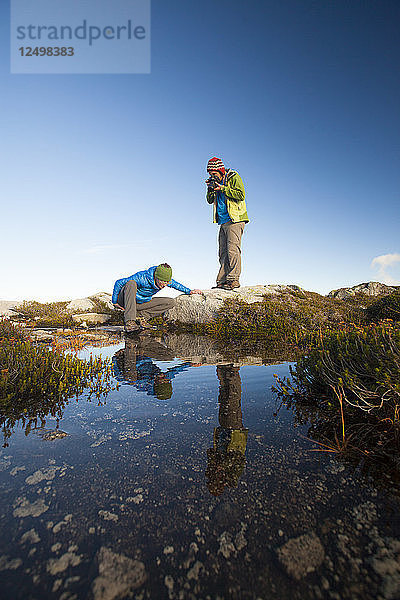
352 376
36 381
55 314
385 307
293 318
348 363
49 314
359 365
347 351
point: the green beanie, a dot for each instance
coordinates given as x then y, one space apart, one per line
163 272
163 390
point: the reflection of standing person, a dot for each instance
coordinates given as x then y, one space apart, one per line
226 459
225 190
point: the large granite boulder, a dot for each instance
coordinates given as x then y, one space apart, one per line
89 304
91 318
104 297
372 288
204 308
80 304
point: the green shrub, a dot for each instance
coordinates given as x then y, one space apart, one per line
54 314
50 314
289 317
359 365
100 306
386 307
36 381
9 332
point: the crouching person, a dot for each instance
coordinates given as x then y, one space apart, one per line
134 295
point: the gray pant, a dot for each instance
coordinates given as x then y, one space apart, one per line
152 308
230 237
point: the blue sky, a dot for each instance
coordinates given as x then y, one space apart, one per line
103 175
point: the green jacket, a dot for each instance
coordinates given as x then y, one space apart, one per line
233 188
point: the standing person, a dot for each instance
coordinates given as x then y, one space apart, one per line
225 190
134 294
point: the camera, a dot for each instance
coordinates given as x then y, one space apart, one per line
212 182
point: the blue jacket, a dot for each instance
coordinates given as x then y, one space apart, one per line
146 287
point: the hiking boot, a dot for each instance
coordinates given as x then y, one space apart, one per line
132 327
218 286
231 285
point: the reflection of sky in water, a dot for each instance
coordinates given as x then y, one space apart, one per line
105 352
201 489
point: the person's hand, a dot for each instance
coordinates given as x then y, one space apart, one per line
119 307
217 187
195 292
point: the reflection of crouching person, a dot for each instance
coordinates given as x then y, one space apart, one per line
134 295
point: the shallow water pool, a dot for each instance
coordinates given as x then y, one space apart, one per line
187 482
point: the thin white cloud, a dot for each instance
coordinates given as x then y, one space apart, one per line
382 263
101 248
105 248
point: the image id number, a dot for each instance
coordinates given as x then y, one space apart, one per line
47 51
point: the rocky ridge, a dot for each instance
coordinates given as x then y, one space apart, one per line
372 288
197 308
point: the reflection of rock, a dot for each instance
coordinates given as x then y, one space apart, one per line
301 555
148 346
199 349
206 350
204 308
41 335
372 288
118 575
49 435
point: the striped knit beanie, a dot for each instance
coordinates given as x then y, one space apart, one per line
215 164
